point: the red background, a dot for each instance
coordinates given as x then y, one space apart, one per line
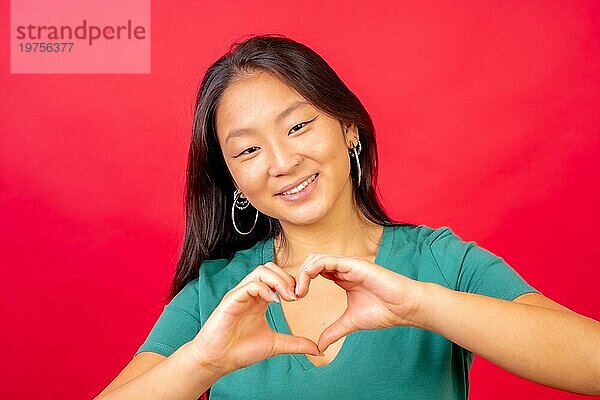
487 120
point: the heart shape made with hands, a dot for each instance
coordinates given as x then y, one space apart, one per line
322 305
376 297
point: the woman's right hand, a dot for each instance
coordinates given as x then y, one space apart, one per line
237 334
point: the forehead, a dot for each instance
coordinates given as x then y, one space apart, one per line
252 101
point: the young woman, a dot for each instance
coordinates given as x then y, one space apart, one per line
281 198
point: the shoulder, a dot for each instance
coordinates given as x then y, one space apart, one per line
218 276
221 274
424 248
415 243
444 245
414 253
422 236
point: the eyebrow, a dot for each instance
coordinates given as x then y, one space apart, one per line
290 108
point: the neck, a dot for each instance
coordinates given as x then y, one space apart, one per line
344 231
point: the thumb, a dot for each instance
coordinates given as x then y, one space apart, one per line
340 328
285 344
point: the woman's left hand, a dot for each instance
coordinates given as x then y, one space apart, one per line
377 297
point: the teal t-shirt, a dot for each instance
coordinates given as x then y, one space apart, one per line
391 363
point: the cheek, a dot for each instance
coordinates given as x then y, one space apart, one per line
331 152
326 147
249 179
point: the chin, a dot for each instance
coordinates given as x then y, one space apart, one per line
305 217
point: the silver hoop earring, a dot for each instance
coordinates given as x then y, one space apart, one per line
354 153
240 204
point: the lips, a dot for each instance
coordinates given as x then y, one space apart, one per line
293 185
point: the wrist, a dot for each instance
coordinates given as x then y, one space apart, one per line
426 300
202 360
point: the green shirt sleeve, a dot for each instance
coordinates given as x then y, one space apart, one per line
466 267
178 324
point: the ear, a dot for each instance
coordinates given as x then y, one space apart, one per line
235 185
350 134
242 195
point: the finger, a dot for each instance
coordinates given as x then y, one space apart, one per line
287 344
252 290
264 274
289 279
309 259
340 328
327 263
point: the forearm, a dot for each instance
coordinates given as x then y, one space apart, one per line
554 348
180 376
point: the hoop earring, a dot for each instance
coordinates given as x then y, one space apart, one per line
354 153
241 205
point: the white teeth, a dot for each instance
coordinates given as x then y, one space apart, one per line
301 186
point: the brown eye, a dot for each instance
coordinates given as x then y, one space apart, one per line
244 152
301 125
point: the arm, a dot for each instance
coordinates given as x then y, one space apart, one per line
180 376
560 349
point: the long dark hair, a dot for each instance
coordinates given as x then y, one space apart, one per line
209 232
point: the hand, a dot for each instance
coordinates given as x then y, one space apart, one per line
237 334
377 297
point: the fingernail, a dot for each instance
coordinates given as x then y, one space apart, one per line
320 354
292 294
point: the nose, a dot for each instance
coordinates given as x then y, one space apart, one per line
283 160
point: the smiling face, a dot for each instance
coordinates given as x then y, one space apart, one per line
271 137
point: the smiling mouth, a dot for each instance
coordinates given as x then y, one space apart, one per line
300 187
